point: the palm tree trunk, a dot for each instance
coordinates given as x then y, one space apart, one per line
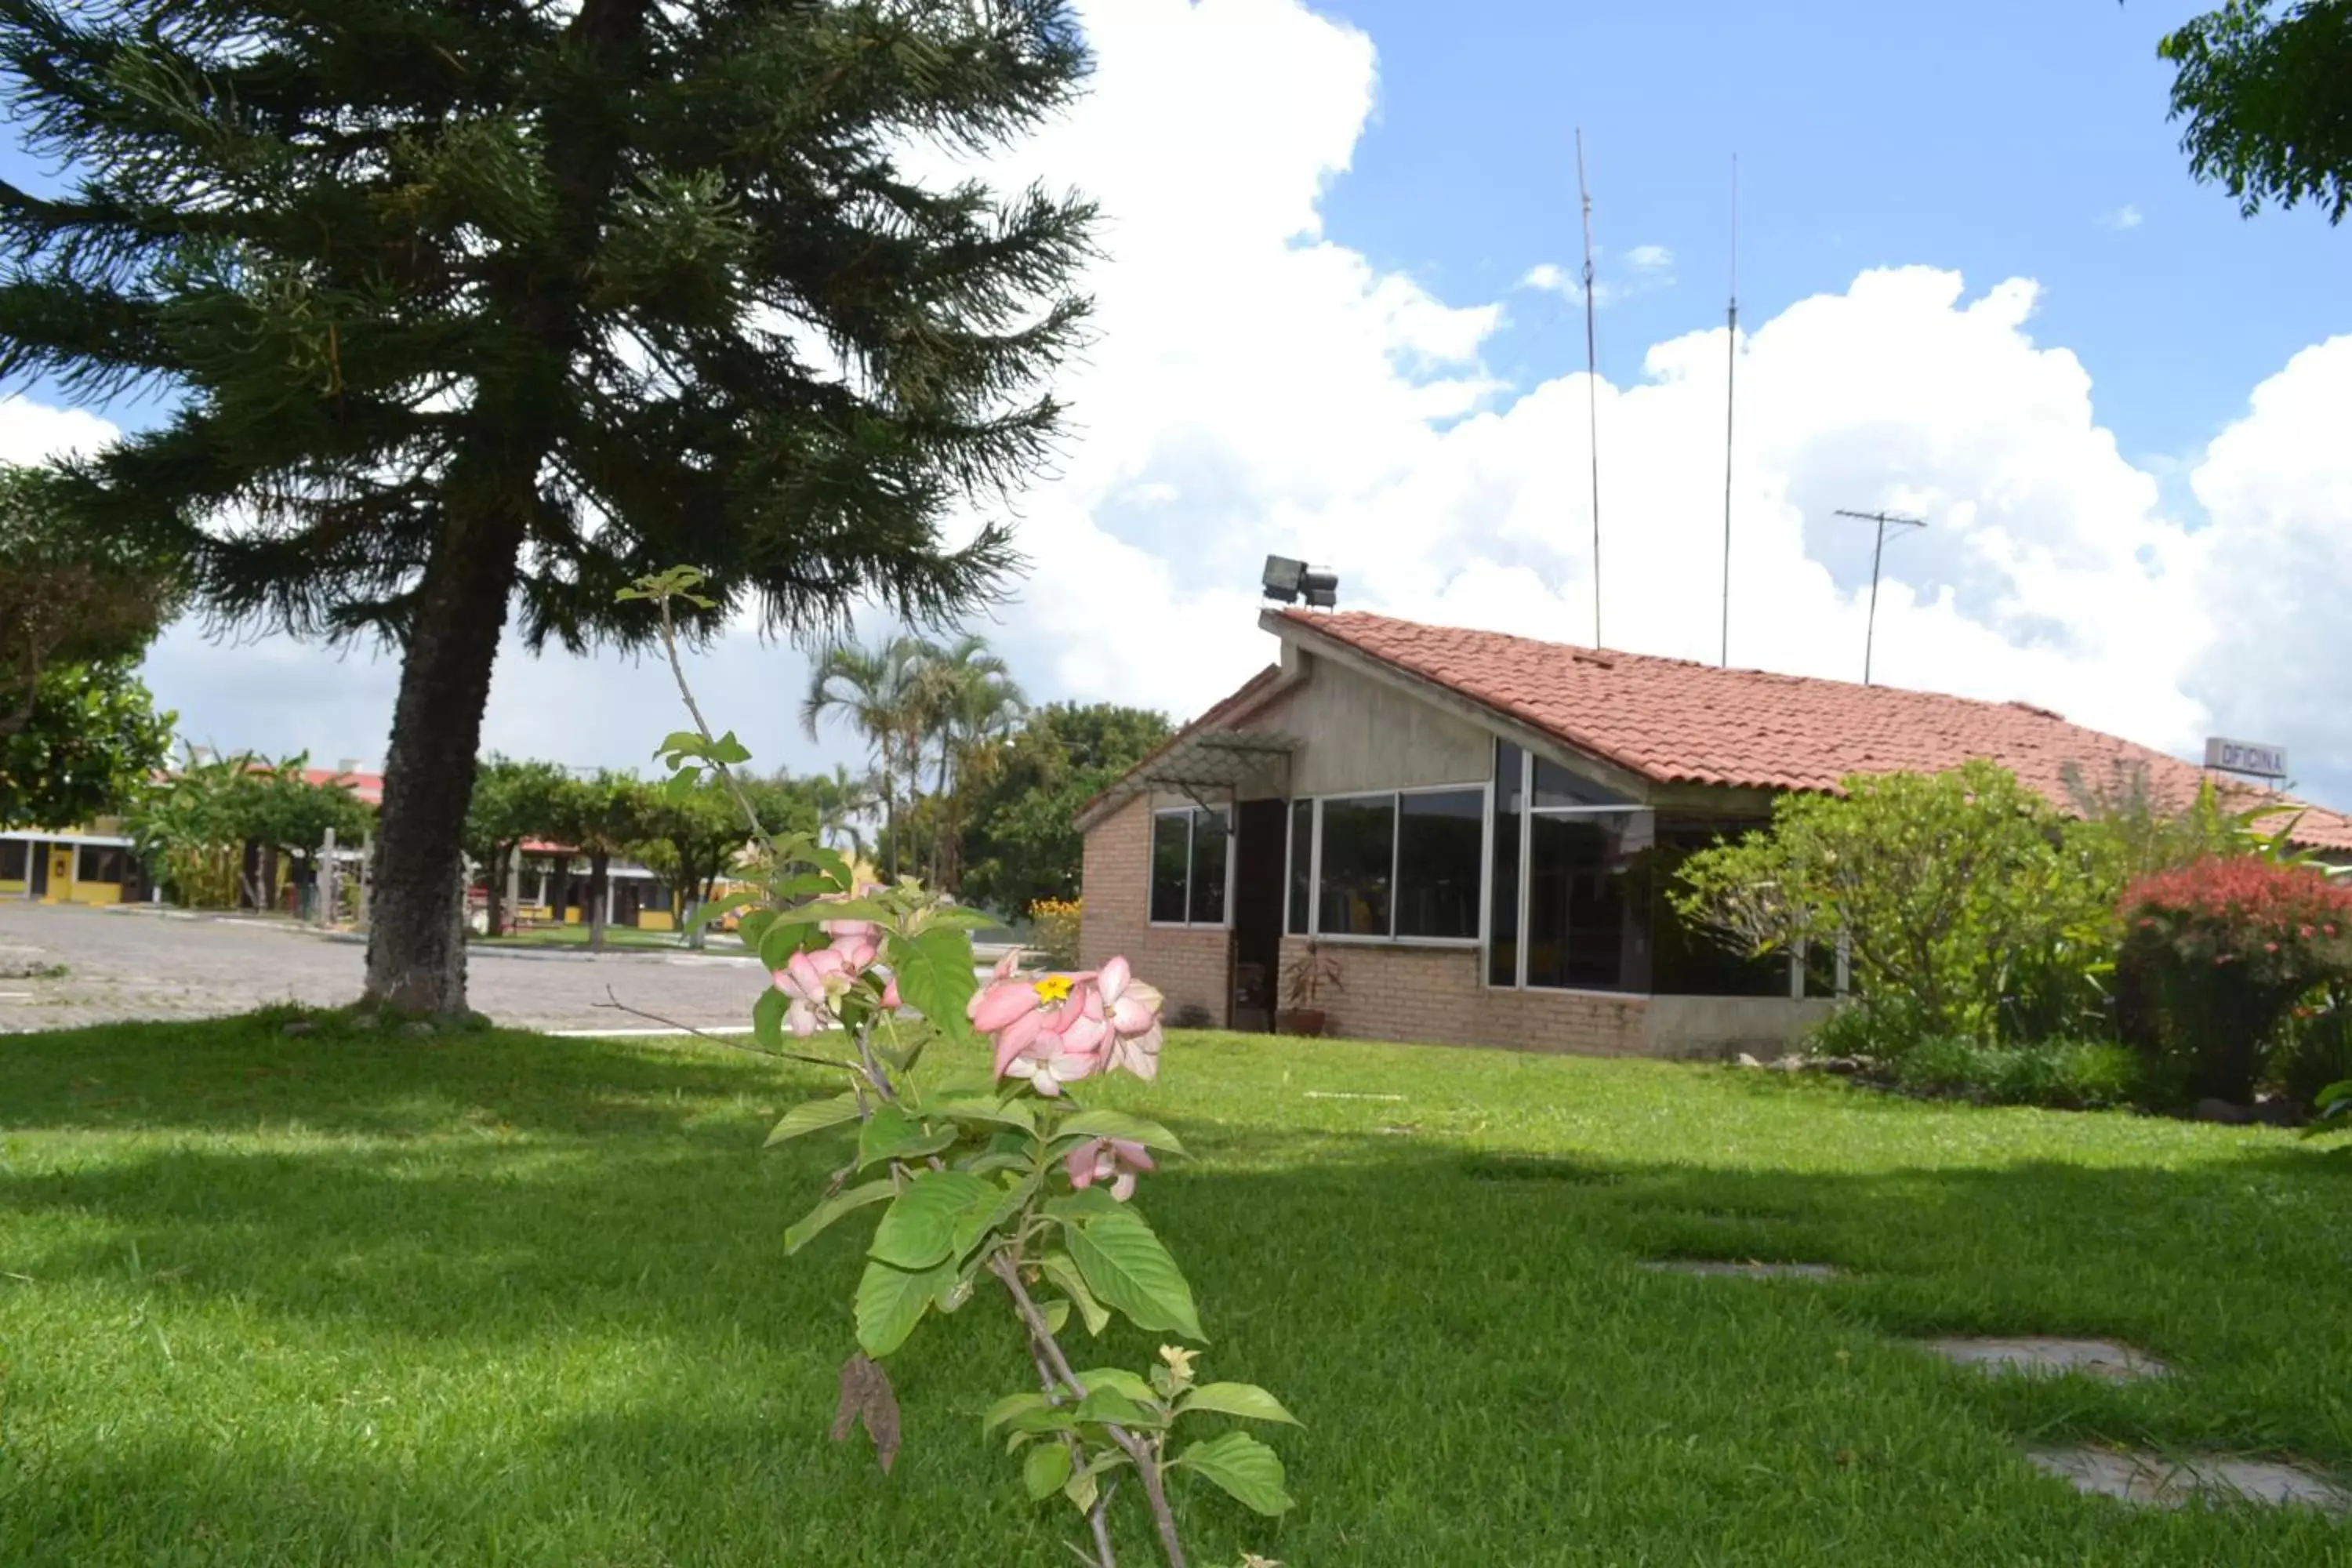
600 865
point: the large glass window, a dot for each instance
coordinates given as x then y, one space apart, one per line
1583 932
1188 853
1572 871
1503 931
99 863
1302 865
1172 865
13 861
1359 863
1439 838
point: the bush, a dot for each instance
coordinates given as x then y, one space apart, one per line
2215 956
2065 1075
1055 936
2315 1047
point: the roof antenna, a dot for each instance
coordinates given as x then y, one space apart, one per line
1730 387
1870 633
1592 383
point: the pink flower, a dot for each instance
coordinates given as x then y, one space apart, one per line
1112 1160
891 995
815 982
1049 1030
1132 1010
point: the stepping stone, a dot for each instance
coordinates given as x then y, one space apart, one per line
2151 1481
2040 1355
1709 1269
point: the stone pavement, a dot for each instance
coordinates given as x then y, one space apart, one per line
135 962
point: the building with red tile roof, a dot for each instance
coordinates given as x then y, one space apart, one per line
1472 832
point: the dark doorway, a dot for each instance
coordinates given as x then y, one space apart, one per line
38 873
1259 856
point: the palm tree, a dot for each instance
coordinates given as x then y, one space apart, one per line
878 690
843 804
969 698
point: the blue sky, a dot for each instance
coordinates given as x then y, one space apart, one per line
1999 137
1977 282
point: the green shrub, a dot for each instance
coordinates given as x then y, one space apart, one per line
2066 1075
2315 1047
2215 956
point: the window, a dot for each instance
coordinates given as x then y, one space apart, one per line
1359 862
13 859
99 863
1510 800
1302 865
1189 856
1439 839
1571 878
1403 864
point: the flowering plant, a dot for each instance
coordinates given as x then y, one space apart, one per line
995 1174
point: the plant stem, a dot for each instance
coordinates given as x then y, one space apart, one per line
701 725
1144 1455
1098 1519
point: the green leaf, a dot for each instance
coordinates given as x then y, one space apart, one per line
977 1221
935 976
814 1116
783 934
1082 1489
768 1018
892 1134
997 1112
1249 1471
1119 1124
798 1234
1119 1378
1058 1268
1129 1269
711 909
891 1301
919 1230
959 918
1007 1409
752 926
1246 1400
1046 1470
1058 1315
1085 1206
1112 1406
729 749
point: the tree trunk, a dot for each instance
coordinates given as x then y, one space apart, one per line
416 957
600 867
495 879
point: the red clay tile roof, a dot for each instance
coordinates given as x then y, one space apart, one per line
1675 721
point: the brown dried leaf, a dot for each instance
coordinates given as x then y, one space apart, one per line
865 1396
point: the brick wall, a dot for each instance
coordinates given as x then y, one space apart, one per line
1192 968
1435 995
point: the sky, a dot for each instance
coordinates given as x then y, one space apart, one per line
1338 319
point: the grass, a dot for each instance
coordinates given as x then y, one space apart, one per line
497 1299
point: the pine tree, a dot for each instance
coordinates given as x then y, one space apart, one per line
491 305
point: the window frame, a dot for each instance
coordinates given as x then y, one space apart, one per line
1191 812
1483 788
1528 810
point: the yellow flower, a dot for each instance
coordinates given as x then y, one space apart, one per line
1053 988
1178 1359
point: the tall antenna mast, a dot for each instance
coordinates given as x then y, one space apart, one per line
1591 381
1730 386
1870 634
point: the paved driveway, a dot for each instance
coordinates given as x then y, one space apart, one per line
137 963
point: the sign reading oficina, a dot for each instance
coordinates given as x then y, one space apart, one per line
2246 757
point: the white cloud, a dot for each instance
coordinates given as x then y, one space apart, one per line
2122 218
1257 387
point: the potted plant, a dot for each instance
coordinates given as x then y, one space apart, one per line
1303 984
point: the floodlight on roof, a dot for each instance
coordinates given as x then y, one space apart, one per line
1289 581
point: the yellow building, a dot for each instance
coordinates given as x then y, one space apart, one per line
68 865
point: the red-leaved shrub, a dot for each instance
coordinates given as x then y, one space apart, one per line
2214 954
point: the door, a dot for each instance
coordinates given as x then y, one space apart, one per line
61 877
1260 827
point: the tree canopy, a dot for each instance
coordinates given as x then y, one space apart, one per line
2267 100
463 309
68 596
86 746
1020 841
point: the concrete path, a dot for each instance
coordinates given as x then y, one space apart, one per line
136 963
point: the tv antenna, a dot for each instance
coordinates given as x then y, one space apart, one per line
1882 519
1730 387
1591 381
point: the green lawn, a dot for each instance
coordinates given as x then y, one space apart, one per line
355 1299
615 936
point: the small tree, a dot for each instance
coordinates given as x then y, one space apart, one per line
1956 893
191 828
87 747
692 835
602 817
282 808
69 595
513 801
